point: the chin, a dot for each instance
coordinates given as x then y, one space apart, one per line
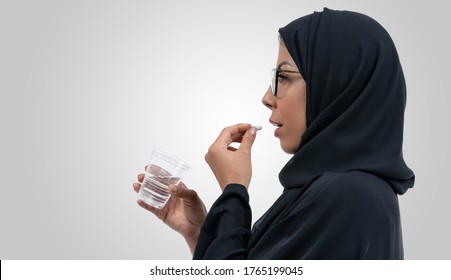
289 149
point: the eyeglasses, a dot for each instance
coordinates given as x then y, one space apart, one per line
275 73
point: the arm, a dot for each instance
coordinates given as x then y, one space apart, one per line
226 230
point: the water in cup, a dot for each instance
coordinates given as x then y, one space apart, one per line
154 190
162 171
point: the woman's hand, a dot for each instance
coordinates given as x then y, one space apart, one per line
184 212
228 164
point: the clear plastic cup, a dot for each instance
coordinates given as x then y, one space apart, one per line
163 170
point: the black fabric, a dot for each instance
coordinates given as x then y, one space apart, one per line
340 188
351 215
356 95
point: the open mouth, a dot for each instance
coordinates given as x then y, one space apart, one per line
278 125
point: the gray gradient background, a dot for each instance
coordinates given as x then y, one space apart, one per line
89 88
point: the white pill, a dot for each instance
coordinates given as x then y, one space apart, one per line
257 126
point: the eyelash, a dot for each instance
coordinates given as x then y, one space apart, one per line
282 78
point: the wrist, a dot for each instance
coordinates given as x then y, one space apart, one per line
235 185
243 183
191 240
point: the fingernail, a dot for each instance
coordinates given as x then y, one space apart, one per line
252 130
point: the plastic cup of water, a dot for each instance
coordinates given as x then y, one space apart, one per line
162 171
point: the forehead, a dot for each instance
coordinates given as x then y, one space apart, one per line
284 58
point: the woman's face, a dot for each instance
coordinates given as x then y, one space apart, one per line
288 107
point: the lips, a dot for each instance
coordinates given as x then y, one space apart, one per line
278 125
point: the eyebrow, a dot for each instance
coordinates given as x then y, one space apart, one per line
284 63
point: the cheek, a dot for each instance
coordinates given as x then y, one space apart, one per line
295 113
295 103
297 123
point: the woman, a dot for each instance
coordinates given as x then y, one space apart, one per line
337 100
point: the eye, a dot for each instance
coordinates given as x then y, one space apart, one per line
282 78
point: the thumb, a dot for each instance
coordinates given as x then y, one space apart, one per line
181 191
248 140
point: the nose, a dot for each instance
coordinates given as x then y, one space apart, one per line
269 100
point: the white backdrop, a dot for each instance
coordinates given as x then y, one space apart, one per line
89 88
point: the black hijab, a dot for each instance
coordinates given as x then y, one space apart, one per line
356 96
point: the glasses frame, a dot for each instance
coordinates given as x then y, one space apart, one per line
275 78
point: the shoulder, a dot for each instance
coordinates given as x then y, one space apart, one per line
351 191
349 182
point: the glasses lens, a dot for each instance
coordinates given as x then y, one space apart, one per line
274 81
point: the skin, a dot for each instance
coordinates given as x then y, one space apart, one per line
289 106
185 212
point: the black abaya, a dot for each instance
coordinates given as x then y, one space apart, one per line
340 188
